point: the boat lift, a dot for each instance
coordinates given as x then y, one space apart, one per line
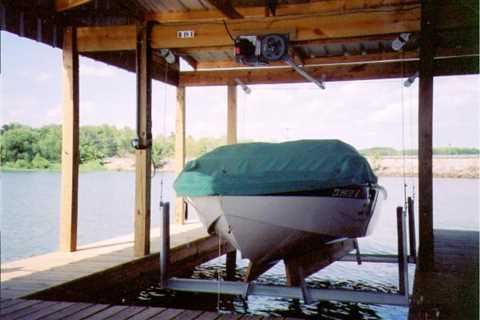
309 295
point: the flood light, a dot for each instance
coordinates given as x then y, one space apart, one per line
242 85
400 42
410 80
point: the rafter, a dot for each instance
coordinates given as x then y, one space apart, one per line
63 5
226 8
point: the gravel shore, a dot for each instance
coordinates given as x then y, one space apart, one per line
443 167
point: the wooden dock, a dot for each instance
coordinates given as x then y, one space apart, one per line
451 290
53 310
111 261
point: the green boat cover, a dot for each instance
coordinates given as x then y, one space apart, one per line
269 168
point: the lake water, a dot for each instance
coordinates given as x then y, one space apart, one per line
30 215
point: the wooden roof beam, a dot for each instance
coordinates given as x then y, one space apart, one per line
188 59
63 5
365 71
282 10
369 58
376 57
226 8
213 34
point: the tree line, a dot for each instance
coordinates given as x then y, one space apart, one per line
24 147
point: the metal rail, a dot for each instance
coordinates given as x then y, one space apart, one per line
245 289
304 73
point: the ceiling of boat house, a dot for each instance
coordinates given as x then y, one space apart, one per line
331 39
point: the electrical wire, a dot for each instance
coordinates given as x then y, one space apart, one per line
403 133
219 289
228 31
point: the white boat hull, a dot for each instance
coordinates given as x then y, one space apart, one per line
269 228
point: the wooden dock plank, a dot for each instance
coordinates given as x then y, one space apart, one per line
147 313
188 315
54 310
65 313
27 276
50 309
167 314
27 311
451 289
207 315
127 313
107 313
229 316
22 305
84 313
8 302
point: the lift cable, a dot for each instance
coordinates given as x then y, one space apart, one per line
402 99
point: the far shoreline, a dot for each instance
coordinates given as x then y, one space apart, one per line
457 167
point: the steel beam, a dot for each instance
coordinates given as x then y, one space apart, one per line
244 289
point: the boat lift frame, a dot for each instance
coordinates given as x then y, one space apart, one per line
309 295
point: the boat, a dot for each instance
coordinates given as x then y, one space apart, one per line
274 201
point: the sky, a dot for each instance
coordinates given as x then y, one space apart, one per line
362 113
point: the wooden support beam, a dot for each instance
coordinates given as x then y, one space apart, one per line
70 143
188 59
226 8
282 10
231 262
62 5
351 59
208 34
368 58
180 150
315 259
127 61
231 265
425 128
232 114
144 148
360 71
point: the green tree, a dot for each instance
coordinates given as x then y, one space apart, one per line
40 162
162 149
18 143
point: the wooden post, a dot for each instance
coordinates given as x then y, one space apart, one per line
144 142
231 262
232 115
401 250
425 119
70 138
411 229
180 150
231 265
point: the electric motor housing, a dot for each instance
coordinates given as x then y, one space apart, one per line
257 50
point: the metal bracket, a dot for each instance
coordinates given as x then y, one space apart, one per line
303 73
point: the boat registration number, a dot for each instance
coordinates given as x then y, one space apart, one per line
347 193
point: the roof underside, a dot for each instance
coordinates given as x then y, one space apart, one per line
324 35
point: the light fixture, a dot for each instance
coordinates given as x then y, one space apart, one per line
168 55
400 42
410 80
242 85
